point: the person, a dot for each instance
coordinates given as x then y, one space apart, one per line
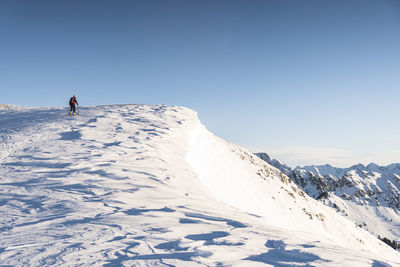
72 103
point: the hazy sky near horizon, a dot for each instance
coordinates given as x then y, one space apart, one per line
309 82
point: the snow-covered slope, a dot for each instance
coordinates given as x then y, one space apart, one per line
368 195
146 185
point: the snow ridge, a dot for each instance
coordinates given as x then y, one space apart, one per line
142 185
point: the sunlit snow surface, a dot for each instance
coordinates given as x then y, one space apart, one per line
138 185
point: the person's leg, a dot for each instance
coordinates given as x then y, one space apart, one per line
73 107
70 110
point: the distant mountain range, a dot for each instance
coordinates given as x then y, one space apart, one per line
368 195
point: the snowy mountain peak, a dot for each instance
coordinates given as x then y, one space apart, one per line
358 166
150 185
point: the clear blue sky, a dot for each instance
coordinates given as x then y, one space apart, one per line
307 81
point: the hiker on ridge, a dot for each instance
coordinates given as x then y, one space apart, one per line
72 103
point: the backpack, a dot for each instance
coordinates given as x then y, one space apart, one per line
71 101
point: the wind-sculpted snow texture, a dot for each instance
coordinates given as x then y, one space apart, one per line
139 185
368 195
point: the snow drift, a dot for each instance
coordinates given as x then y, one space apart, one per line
149 185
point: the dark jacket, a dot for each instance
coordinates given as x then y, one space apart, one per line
73 101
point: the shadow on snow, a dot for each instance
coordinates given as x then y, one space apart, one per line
280 257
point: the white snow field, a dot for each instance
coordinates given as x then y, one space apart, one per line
141 185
